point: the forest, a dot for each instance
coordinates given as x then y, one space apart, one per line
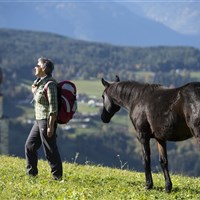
19 51
109 145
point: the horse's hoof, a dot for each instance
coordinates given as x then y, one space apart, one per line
168 188
149 187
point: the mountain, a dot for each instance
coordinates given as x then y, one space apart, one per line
100 21
181 16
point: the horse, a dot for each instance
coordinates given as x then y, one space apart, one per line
158 112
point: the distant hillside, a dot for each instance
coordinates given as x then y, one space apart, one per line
100 21
19 51
88 182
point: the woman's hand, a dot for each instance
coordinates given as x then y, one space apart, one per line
34 89
50 128
50 132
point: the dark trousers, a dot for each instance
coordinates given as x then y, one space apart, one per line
36 138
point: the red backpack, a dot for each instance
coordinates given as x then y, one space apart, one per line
67 103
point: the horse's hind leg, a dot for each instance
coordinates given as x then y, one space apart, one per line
164 164
147 163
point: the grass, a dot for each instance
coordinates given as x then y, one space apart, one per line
93 88
195 74
85 182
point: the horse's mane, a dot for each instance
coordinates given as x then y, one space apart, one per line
125 89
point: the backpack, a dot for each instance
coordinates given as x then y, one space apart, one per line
67 103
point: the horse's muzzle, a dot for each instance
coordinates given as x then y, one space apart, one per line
106 116
105 120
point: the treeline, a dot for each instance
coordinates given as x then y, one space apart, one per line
19 51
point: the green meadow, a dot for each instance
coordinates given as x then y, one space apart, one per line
88 182
92 88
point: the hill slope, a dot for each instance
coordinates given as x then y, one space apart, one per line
74 58
88 182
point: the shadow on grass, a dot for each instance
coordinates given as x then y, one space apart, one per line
186 189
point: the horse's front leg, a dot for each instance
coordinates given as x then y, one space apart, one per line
147 162
164 164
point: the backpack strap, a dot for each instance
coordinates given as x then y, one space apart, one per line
46 88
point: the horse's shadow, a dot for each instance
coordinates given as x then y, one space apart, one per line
191 190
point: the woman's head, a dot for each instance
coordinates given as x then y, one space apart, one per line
44 67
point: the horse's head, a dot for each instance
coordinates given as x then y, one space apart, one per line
109 106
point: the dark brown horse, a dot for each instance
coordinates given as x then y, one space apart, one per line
156 112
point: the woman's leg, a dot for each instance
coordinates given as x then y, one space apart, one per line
32 144
51 150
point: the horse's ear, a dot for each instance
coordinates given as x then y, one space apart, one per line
117 78
104 82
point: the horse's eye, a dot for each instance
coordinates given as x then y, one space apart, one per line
103 96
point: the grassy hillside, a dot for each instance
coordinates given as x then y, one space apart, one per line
88 182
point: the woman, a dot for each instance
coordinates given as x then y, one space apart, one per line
43 131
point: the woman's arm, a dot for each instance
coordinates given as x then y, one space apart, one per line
51 123
53 108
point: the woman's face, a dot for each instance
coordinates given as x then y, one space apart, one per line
39 70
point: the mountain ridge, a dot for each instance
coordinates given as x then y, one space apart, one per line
182 16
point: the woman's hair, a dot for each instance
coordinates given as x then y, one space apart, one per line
47 64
